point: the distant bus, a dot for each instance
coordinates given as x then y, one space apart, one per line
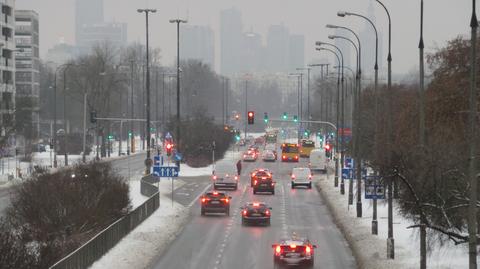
306 147
290 152
271 138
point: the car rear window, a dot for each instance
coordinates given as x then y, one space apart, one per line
301 172
262 174
212 195
225 168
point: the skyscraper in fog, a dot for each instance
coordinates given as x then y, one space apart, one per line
231 29
296 52
87 12
198 42
278 40
91 28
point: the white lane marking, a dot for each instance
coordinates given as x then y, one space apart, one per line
183 193
198 196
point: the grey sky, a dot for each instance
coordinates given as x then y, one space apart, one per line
444 20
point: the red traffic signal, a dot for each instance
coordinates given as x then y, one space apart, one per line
169 149
251 117
327 147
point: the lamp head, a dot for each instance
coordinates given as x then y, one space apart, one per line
139 10
318 43
172 21
332 36
319 48
341 14
331 26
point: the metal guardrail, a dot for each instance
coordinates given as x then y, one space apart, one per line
148 185
99 245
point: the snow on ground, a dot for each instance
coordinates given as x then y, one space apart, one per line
140 247
13 167
370 250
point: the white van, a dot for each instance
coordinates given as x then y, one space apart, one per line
318 161
225 175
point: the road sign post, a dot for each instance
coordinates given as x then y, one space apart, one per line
373 188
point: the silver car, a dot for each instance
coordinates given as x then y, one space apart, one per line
269 156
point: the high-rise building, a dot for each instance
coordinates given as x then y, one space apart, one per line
87 12
198 43
278 41
252 54
61 53
7 67
27 76
91 28
296 52
93 34
231 30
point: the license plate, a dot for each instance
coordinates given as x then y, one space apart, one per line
293 255
215 202
256 215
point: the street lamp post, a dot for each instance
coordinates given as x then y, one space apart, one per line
342 180
148 160
299 97
359 166
338 106
178 21
472 129
308 92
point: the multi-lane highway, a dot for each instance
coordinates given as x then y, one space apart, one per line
218 241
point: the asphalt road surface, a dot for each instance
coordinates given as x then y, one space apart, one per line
218 241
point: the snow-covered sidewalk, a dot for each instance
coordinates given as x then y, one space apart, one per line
370 250
140 247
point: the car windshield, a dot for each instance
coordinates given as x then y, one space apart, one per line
301 172
225 168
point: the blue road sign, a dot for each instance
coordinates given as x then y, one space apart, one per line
165 171
374 189
168 135
178 156
347 173
349 163
157 161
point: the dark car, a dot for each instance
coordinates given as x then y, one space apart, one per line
258 174
215 202
264 184
256 213
293 251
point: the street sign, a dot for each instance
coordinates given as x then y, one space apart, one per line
374 189
347 173
165 171
168 136
178 156
349 163
157 160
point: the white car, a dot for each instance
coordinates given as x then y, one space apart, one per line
250 156
318 160
268 156
301 176
225 175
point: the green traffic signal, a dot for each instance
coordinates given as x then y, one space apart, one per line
285 116
265 117
295 118
129 134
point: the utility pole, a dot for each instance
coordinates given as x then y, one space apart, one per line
148 160
178 21
246 107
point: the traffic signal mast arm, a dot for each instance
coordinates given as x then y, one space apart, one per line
305 121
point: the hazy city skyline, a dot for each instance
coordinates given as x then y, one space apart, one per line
301 17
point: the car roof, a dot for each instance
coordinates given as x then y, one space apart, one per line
259 203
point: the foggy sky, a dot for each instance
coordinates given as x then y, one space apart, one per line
444 20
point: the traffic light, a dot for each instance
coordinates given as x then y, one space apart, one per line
295 118
130 134
265 117
110 137
328 151
237 116
251 117
237 136
306 133
169 149
93 116
285 116
225 128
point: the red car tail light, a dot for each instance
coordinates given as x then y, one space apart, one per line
296 157
267 212
256 204
255 182
293 246
214 177
278 249
293 176
308 250
225 200
215 193
310 177
244 212
236 177
205 200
